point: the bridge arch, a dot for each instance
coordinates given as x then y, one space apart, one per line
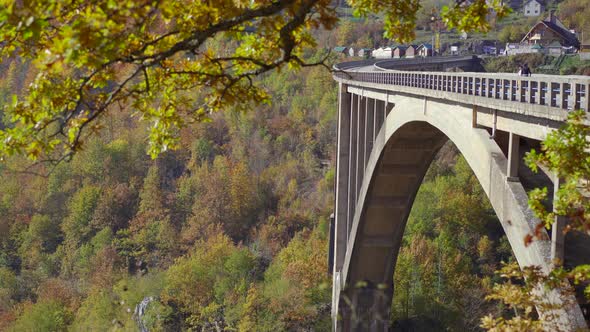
385 171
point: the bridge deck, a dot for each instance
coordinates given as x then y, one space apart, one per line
543 96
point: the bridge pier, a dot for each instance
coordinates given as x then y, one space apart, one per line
352 165
361 143
342 175
359 121
370 128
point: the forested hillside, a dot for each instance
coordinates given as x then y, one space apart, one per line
227 232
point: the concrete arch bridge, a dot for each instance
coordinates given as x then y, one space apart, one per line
392 120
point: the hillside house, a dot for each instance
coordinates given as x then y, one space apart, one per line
532 8
550 30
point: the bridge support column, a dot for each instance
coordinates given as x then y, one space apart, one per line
352 148
513 157
342 175
379 117
342 194
369 128
360 140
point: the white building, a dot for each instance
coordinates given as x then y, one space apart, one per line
383 53
532 8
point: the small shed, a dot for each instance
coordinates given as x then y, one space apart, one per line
425 50
365 52
411 51
399 51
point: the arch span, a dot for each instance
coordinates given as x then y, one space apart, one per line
401 150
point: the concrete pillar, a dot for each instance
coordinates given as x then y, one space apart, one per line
513 157
332 244
342 177
557 235
379 117
360 150
369 128
352 161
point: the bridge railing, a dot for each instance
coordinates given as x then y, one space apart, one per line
564 92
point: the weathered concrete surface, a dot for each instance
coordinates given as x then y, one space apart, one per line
342 174
402 151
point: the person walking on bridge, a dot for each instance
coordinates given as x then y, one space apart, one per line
525 71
